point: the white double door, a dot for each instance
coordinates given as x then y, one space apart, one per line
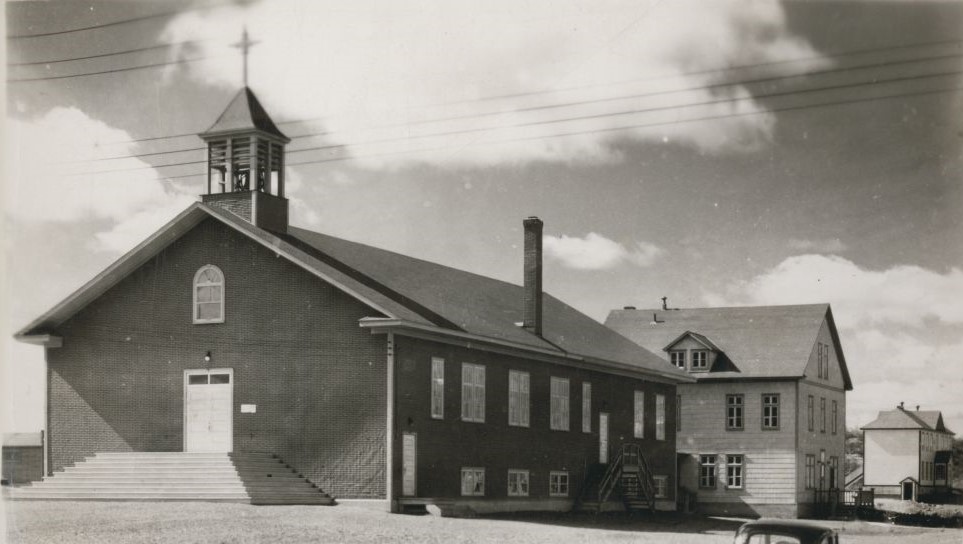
208 416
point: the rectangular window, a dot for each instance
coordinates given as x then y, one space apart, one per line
586 407
559 408
822 469
810 471
819 360
518 398
700 359
661 486
517 483
707 471
472 482
734 464
809 412
826 362
770 411
678 358
734 412
833 472
437 388
472 392
822 414
678 412
835 417
558 484
639 427
660 417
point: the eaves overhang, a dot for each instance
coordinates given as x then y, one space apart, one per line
507 347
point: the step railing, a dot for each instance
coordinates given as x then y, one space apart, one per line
629 460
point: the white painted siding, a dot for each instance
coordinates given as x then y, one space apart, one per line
770 457
891 455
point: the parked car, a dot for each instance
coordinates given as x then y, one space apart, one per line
778 531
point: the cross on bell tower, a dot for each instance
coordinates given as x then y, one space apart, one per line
245 158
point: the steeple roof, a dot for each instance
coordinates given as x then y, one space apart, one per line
244 113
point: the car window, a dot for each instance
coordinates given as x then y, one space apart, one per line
773 539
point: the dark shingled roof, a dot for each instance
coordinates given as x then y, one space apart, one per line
759 341
476 304
244 113
928 420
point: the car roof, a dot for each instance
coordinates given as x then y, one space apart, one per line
793 527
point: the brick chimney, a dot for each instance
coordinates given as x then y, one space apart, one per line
532 316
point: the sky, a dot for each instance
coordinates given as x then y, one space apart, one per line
715 152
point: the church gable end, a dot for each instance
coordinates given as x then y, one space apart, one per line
292 341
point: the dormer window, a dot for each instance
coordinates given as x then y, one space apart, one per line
678 358
209 295
700 359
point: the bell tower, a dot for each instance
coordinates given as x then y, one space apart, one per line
245 160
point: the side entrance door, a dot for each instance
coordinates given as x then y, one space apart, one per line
208 403
603 438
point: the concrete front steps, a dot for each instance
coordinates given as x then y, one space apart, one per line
255 478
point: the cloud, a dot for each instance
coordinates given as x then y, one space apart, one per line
899 327
51 178
596 252
464 83
905 295
829 245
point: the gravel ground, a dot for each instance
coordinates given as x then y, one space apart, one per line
98 522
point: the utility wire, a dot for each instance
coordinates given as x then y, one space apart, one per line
580 103
114 71
114 23
102 55
607 130
778 94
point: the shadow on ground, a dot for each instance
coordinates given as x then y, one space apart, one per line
667 522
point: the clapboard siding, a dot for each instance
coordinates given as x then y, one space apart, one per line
769 455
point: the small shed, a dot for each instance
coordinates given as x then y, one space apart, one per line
22 458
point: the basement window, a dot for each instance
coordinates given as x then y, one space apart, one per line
558 484
473 482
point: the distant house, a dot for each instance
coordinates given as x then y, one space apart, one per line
763 427
907 453
375 375
22 458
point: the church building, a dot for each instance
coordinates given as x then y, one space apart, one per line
230 333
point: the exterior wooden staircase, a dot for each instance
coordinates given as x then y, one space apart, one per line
628 473
255 478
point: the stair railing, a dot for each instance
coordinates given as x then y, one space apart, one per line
612 474
629 454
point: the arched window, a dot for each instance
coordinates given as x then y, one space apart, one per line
209 295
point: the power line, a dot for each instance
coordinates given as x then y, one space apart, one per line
780 94
114 23
102 55
756 81
114 71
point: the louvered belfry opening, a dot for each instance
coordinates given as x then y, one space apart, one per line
245 163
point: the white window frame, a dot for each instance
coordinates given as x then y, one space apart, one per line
472 481
822 415
660 417
558 483
437 388
586 407
707 471
810 471
819 360
811 412
661 484
677 358
835 417
638 414
735 412
473 393
519 392
735 471
517 483
700 359
196 284
560 416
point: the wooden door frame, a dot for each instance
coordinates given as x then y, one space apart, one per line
230 412
608 435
